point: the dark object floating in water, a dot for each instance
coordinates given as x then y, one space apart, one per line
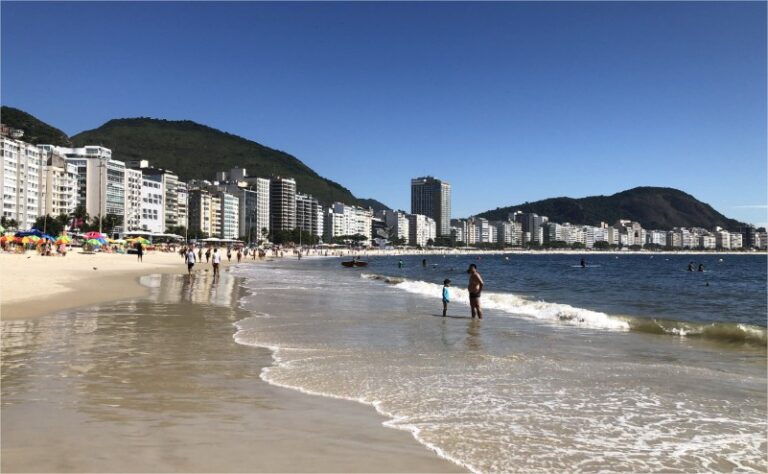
355 263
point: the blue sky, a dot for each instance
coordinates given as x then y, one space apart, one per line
509 102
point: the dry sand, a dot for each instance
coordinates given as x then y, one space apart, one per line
32 285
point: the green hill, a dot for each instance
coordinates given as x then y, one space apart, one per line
653 208
374 204
35 131
196 151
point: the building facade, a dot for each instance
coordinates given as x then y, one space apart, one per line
309 215
20 175
431 197
282 204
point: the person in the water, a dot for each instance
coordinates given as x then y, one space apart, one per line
446 295
424 263
399 264
701 267
475 287
583 263
690 267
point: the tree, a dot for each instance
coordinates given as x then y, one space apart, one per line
635 247
176 229
110 222
80 218
51 225
601 245
577 245
9 223
430 243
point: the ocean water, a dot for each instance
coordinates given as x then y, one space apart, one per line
632 364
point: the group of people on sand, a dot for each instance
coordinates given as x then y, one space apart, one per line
211 255
474 287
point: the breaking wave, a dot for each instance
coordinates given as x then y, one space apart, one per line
563 313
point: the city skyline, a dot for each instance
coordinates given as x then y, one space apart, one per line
652 94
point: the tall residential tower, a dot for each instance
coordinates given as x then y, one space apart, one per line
432 197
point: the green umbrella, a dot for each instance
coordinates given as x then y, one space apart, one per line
93 242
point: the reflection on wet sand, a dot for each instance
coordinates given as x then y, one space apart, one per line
159 385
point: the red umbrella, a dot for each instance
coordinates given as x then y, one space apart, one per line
94 235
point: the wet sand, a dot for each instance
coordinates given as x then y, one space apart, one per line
157 384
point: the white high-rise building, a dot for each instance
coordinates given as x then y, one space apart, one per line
152 203
20 175
341 219
58 185
510 233
101 181
133 200
421 229
309 215
397 222
229 215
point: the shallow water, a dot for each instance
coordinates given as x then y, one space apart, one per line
514 392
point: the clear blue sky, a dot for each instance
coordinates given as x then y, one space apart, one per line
509 102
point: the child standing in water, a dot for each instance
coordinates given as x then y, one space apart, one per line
446 295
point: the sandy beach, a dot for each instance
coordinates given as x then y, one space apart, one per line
104 374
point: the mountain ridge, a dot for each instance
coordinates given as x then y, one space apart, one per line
653 207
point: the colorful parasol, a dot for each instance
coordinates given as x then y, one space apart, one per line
93 242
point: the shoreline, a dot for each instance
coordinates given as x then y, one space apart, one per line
324 434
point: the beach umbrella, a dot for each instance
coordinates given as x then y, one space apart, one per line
95 235
63 239
93 242
141 240
32 238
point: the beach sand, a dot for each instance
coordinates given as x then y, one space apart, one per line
155 383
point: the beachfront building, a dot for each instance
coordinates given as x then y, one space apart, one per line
509 233
421 230
722 239
20 175
344 220
431 197
133 200
736 241
182 204
708 242
215 215
282 203
674 239
397 222
101 181
152 203
58 185
199 218
532 223
309 215
228 218
656 237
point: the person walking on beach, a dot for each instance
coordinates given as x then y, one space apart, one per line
239 255
207 255
200 254
475 287
229 254
140 251
446 295
190 259
216 262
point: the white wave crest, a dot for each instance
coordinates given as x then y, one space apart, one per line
510 303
